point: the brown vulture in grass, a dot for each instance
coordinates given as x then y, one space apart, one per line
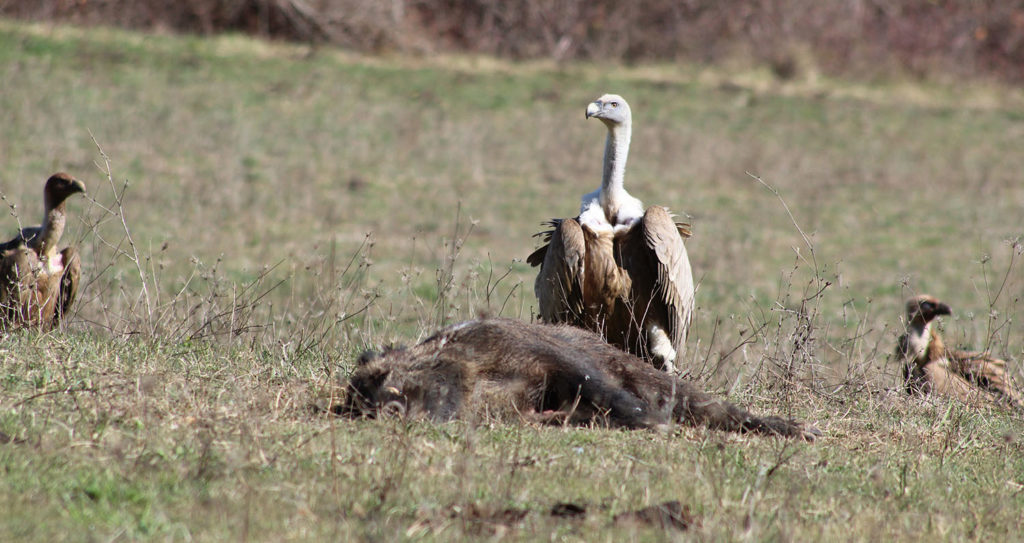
929 367
618 269
38 284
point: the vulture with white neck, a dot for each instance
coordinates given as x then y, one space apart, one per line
929 367
618 269
38 284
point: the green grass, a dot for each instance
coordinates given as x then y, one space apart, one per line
290 207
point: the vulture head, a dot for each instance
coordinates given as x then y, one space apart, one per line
58 187
612 109
922 309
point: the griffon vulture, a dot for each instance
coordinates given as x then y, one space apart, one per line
38 284
931 368
617 269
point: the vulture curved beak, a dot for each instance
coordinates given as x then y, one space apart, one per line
77 186
943 309
593 108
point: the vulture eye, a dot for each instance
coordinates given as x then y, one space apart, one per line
926 306
613 104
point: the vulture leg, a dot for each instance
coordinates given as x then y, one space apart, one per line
660 347
68 283
559 285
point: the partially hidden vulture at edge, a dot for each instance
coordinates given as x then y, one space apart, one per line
618 269
38 283
929 367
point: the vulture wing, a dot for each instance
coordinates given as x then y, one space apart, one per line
941 379
10 293
656 259
559 285
536 258
19 280
23 237
684 229
9 245
986 372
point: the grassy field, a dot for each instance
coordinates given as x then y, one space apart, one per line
259 213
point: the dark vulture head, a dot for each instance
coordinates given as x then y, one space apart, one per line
612 109
58 187
922 309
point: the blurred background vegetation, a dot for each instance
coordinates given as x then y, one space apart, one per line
865 38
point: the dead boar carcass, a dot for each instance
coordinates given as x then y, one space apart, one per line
544 372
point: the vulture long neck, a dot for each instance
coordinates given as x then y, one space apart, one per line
53 227
924 344
616 150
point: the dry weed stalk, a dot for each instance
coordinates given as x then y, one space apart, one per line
472 295
997 325
224 310
792 349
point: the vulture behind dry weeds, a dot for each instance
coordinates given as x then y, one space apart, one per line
617 269
38 284
929 367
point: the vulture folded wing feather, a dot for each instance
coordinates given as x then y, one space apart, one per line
23 237
12 244
943 380
675 277
986 372
559 285
22 287
536 258
11 266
